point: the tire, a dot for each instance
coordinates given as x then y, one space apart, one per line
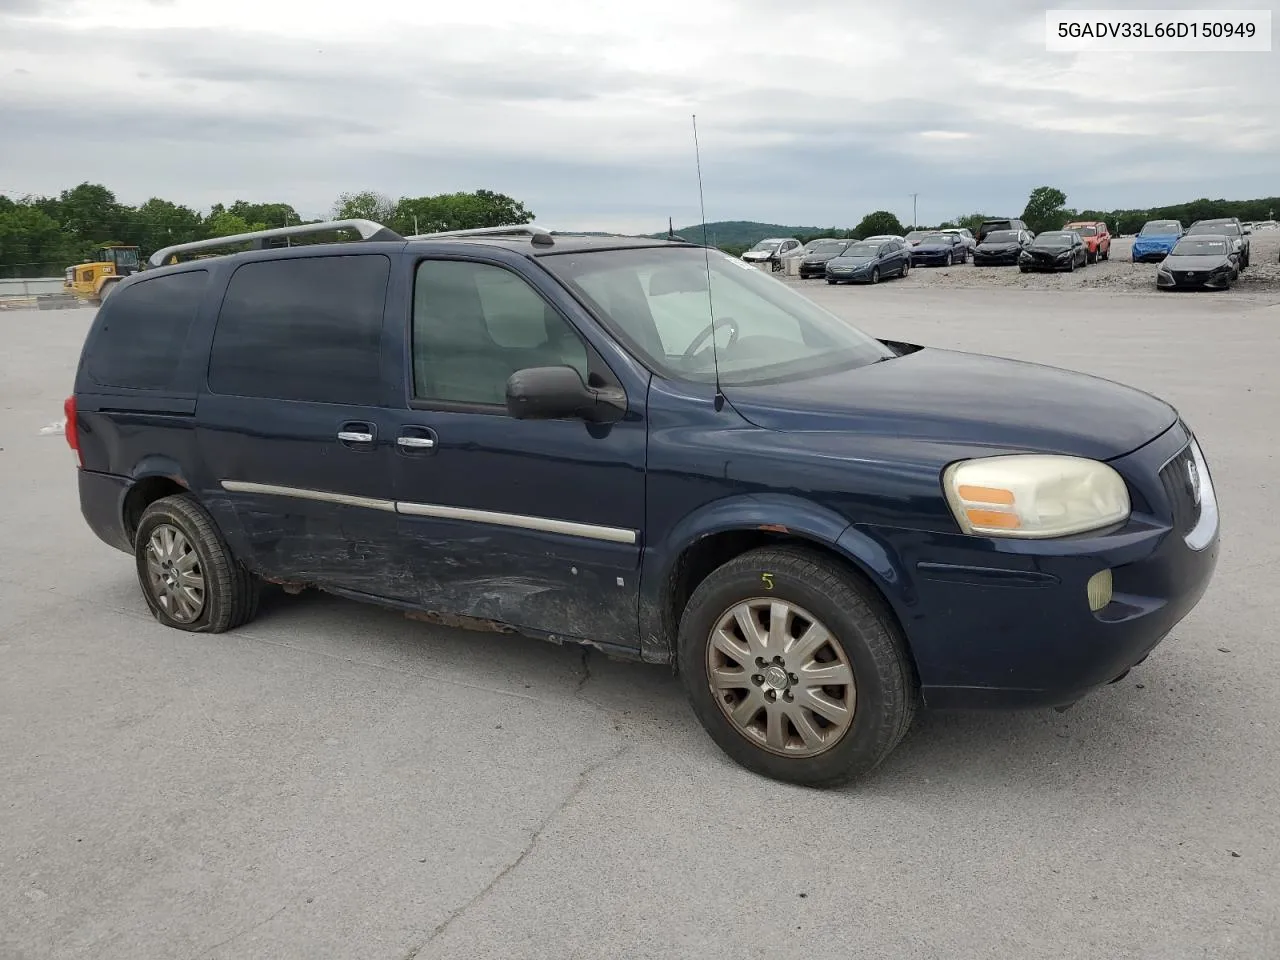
864 638
229 592
1022 269
906 268
832 282
1106 254
875 274
1071 265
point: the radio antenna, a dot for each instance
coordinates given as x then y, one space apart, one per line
706 255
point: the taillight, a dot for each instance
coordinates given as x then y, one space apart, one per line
73 436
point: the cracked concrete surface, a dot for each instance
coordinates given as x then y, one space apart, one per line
337 781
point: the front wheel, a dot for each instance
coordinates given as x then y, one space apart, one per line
795 668
875 274
830 281
906 268
188 577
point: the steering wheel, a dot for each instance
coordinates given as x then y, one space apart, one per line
708 331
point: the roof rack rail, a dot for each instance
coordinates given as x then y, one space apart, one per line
367 229
539 235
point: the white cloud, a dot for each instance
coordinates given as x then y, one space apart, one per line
809 112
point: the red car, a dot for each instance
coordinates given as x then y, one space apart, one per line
1096 237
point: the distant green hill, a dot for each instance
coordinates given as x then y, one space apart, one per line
744 233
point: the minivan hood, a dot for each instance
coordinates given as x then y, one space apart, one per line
944 395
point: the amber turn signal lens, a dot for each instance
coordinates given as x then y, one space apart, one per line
986 495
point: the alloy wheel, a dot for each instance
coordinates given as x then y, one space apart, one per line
174 573
781 678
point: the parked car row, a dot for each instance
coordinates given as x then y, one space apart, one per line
1209 253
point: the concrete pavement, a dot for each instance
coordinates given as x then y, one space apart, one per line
336 781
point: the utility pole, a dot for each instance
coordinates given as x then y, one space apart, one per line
913 210
415 223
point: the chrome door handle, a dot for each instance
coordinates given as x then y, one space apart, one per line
415 443
355 436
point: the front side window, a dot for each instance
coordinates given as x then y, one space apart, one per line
656 301
304 329
475 324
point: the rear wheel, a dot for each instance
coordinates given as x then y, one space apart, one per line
188 577
795 668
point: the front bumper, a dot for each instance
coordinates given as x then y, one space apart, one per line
995 259
1151 253
852 276
1006 623
919 259
1194 280
1045 266
808 270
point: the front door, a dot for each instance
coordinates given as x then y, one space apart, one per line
295 435
532 523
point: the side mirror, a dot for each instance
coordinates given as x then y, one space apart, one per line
557 393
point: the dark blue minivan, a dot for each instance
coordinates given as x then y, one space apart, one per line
648 447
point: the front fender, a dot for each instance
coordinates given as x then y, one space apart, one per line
780 514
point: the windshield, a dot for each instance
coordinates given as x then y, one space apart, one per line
1002 236
1160 228
655 300
915 235
937 238
828 249
1053 240
865 249
126 258
1200 248
1086 231
1214 229
766 245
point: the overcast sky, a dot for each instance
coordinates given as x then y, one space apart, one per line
810 112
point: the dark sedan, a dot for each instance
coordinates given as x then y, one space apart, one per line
1054 250
940 249
1000 248
814 262
1201 262
869 262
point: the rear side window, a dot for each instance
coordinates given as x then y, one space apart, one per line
144 327
304 329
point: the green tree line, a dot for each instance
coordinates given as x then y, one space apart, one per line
40 236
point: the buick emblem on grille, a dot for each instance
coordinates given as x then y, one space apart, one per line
1193 478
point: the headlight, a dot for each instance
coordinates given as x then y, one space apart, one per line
1034 495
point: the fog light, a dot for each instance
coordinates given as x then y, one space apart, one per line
1099 590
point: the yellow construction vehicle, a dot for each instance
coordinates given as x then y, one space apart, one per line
96 277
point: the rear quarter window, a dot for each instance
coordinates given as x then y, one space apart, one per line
143 326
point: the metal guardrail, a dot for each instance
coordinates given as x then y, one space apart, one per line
31 287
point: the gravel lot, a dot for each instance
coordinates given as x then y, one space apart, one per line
1118 274
337 781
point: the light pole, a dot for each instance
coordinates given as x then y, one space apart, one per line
913 210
